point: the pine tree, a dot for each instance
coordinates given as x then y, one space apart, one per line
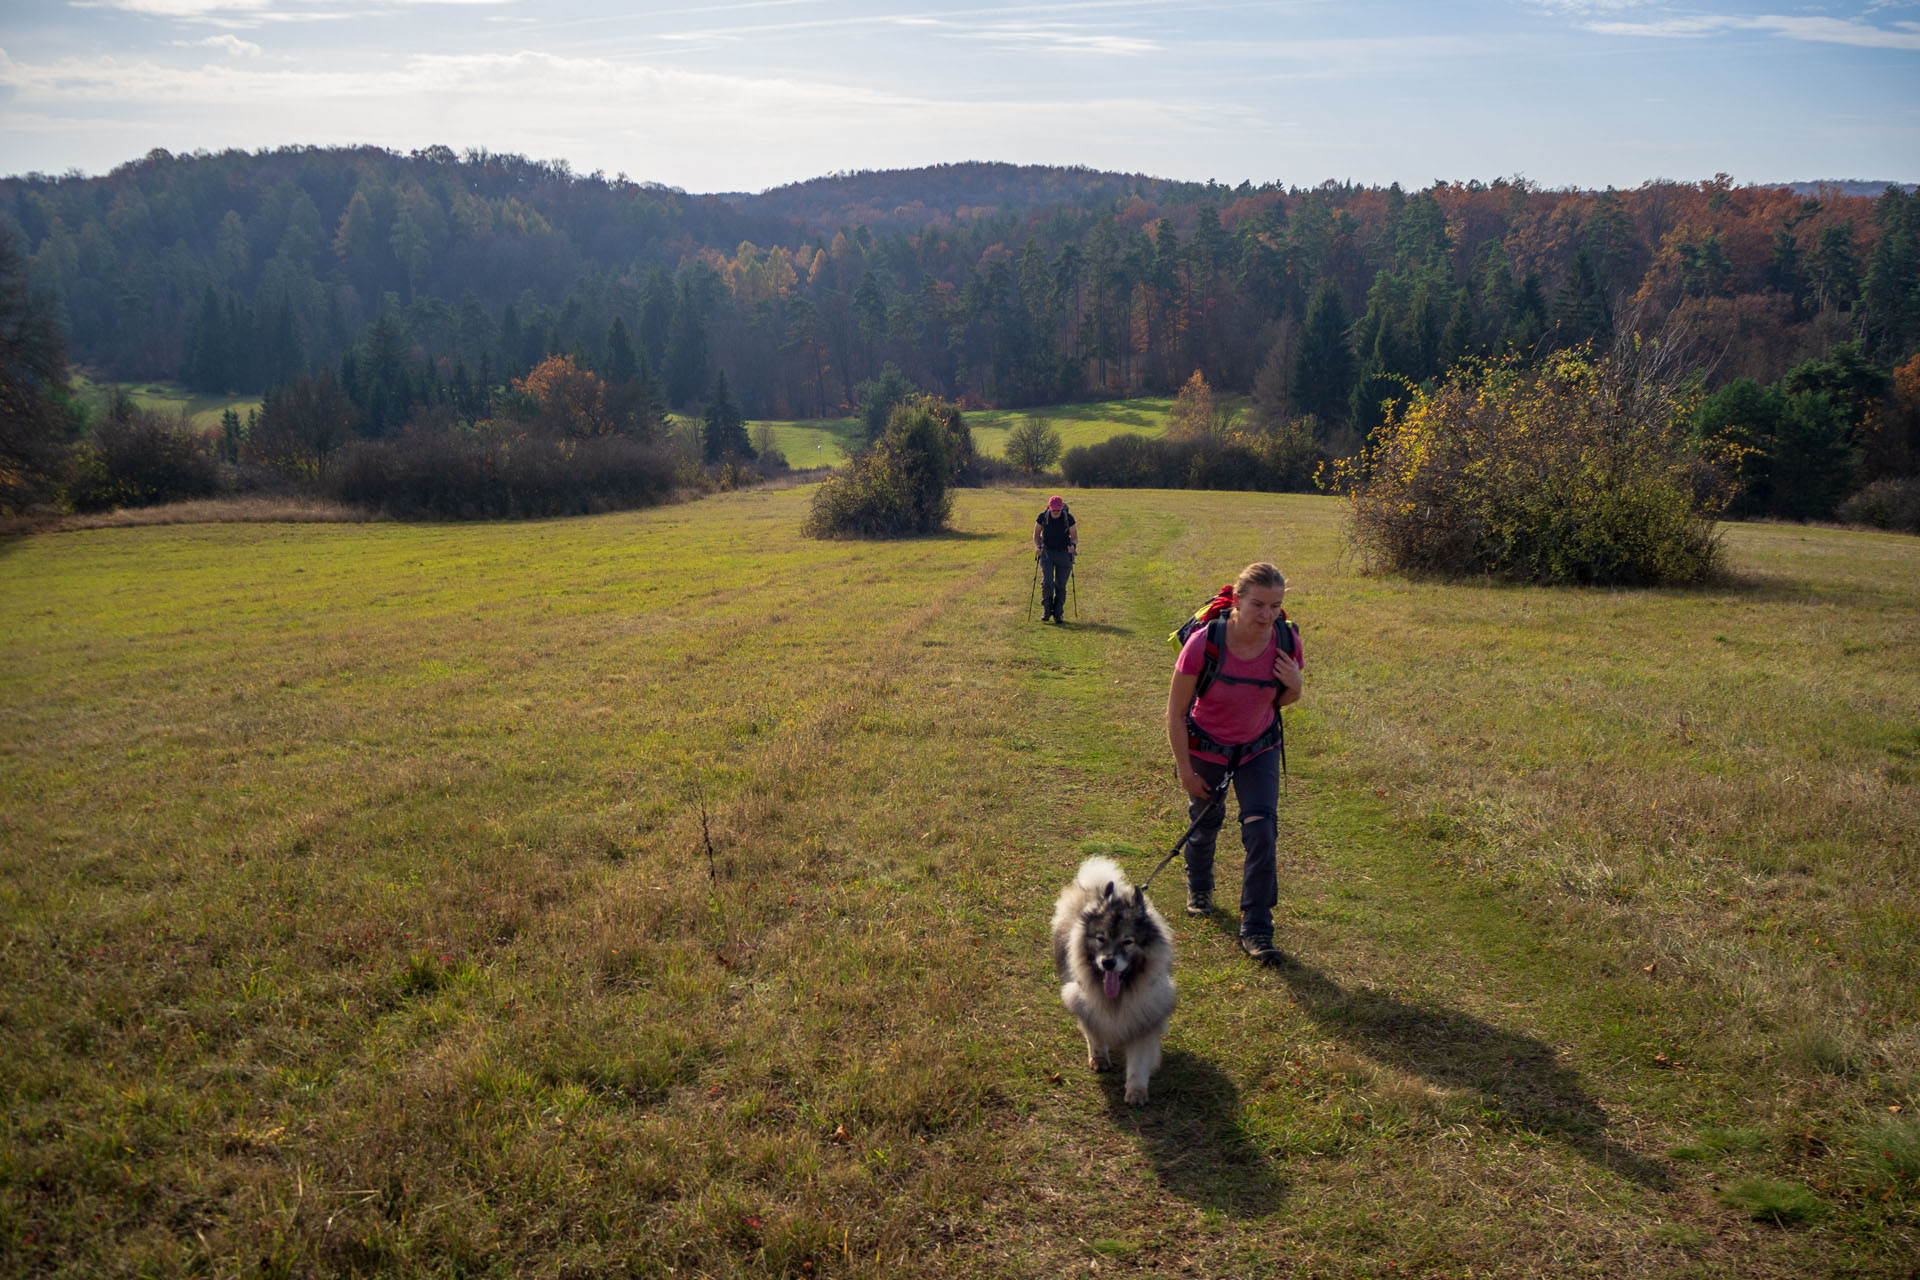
723 433
686 362
1323 365
621 364
1579 310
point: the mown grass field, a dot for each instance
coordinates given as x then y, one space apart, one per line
827 442
663 893
201 409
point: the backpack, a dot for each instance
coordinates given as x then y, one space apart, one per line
1066 513
1213 616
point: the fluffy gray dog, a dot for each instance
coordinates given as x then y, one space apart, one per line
1114 958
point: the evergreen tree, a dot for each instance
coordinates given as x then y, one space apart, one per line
1457 339
656 315
723 433
621 363
686 359
1526 317
1323 366
37 417
1833 270
1890 295
230 435
877 396
205 368
1579 310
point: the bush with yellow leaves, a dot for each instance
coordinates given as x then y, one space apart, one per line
1580 471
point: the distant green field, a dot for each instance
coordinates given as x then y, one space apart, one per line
827 442
1077 424
818 442
202 410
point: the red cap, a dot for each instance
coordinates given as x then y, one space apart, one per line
1055 502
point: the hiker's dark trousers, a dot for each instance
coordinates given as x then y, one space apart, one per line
1257 787
1055 568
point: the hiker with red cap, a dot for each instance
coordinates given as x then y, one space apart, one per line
1055 543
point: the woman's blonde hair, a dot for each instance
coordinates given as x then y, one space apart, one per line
1259 574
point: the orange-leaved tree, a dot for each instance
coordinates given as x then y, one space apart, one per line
572 401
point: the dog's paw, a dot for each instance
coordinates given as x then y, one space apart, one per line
1098 1062
1136 1095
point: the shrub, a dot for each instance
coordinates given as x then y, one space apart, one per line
1281 461
488 473
877 398
897 488
136 458
1886 504
1033 444
1579 472
300 426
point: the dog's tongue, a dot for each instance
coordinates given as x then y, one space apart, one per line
1110 983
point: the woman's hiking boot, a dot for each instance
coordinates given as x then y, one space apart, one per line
1259 946
1199 902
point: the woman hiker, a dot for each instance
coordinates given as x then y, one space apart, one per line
1233 725
1055 543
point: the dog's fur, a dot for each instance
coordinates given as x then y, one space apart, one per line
1114 957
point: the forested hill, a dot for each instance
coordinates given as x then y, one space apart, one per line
404 274
909 199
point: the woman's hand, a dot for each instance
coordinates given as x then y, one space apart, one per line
1287 672
1194 784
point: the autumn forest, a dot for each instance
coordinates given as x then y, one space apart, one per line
437 279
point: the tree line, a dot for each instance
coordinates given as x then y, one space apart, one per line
434 278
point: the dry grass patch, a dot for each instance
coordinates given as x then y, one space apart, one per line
245 509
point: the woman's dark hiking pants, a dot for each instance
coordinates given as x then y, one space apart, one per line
1055 568
1257 787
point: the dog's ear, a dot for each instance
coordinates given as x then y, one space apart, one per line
1106 894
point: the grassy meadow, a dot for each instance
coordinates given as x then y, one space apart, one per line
201 410
828 442
1078 424
665 894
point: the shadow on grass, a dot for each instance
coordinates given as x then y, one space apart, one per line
1100 628
1191 1133
1519 1078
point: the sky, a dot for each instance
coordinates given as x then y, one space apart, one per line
744 95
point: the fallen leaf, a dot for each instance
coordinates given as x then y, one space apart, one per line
840 1134
1648 968
1895 1108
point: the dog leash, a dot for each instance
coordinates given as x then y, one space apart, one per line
1219 799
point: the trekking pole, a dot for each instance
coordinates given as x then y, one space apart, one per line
1073 582
1032 585
1217 800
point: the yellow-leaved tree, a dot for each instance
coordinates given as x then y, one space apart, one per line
1192 415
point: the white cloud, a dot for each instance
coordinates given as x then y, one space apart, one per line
180 8
234 46
1055 37
1903 35
1587 6
263 10
698 130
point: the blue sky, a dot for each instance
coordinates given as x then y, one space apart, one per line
743 96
